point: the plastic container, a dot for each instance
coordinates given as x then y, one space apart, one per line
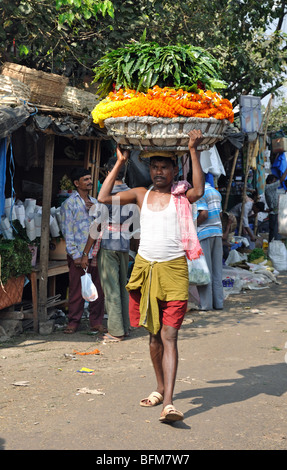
228 282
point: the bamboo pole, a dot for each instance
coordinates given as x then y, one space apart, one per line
45 228
97 168
92 164
87 154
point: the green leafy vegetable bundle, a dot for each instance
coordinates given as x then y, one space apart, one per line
256 254
141 65
15 258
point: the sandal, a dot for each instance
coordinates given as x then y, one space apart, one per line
108 338
70 330
99 329
155 398
170 414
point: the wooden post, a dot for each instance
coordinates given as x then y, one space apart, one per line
87 154
92 161
97 167
45 228
230 179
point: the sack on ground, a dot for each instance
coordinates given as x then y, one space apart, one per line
278 254
89 290
198 272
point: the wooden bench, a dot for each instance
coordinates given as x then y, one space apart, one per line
54 269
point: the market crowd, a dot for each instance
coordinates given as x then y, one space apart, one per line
139 247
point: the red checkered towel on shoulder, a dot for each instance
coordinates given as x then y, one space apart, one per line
189 236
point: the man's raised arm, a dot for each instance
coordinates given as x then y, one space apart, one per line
105 195
197 190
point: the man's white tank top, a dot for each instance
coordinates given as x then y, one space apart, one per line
160 238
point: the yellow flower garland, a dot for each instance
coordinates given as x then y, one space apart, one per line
163 102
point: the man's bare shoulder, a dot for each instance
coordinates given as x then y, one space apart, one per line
140 194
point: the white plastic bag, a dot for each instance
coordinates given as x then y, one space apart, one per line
235 257
211 162
198 272
278 254
89 290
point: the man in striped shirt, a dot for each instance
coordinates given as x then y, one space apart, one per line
209 231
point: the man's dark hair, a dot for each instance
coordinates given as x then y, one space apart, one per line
78 173
259 206
271 179
110 165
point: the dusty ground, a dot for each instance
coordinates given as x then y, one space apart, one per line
231 385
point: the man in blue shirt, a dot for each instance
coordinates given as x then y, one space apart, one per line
209 231
75 227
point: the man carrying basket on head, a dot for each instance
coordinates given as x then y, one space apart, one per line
158 285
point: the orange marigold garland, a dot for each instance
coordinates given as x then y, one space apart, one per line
163 102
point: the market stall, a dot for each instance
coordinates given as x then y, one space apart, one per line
33 136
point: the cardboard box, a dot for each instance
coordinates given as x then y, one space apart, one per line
279 145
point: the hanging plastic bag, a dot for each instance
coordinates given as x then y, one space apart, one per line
211 162
198 272
89 290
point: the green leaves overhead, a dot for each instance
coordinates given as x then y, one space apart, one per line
72 10
141 65
70 36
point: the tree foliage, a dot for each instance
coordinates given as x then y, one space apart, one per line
71 35
50 34
278 116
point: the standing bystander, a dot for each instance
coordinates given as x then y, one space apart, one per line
113 260
209 231
76 222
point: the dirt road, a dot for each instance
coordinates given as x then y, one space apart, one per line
231 385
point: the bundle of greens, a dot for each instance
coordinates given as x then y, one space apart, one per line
15 258
141 65
255 254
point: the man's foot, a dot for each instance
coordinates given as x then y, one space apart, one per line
69 330
155 398
108 338
169 414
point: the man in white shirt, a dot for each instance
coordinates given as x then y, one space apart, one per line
250 208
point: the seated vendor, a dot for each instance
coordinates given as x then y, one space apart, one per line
250 208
